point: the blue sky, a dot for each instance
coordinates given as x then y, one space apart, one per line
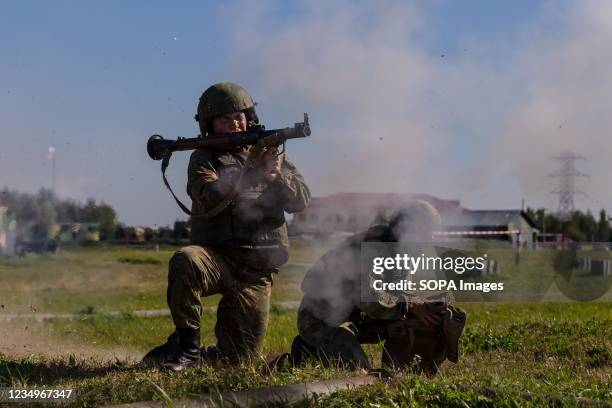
95 79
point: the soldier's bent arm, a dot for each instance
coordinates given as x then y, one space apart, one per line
206 184
294 193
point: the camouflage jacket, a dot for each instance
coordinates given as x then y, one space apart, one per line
253 223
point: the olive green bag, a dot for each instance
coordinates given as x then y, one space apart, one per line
408 338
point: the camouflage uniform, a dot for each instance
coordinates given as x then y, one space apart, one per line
234 252
331 310
333 321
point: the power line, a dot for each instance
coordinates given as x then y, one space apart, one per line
567 184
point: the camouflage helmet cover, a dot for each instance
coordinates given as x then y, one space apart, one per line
220 99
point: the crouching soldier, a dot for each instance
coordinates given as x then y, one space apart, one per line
333 321
239 237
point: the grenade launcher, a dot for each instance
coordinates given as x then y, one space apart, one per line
160 148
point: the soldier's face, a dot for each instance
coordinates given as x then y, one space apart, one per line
231 122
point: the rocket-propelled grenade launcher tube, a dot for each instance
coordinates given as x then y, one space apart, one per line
160 148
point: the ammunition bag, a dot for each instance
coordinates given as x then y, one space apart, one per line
409 337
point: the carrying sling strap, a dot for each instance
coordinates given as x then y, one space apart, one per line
215 210
164 166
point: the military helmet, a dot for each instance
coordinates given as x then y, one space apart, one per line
416 218
221 99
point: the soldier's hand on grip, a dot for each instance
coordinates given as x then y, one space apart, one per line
257 151
254 156
265 156
271 164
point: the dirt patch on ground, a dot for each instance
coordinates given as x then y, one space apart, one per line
24 338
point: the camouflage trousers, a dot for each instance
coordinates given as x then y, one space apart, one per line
335 344
242 313
403 340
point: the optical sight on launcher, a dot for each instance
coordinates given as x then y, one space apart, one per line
160 148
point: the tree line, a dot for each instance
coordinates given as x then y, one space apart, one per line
45 208
579 226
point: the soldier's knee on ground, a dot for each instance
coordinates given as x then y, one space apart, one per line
342 348
301 351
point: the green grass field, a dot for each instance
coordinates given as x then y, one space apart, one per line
549 349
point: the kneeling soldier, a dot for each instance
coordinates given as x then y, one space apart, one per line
333 321
239 237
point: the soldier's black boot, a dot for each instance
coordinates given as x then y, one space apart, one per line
188 353
162 352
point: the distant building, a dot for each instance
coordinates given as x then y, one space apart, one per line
135 234
353 212
511 225
77 232
41 237
8 232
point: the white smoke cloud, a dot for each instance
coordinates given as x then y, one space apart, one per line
568 92
389 113
350 64
481 125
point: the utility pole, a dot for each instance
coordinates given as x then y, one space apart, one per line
52 160
567 187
